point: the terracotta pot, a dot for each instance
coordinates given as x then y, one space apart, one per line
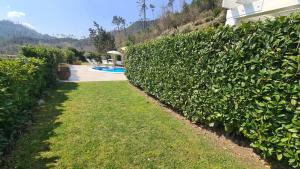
64 72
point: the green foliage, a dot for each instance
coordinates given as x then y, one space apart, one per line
52 57
21 82
78 54
206 4
245 79
119 21
69 56
102 40
217 11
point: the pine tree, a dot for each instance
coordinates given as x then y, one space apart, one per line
143 11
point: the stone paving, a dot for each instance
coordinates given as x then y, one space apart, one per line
85 73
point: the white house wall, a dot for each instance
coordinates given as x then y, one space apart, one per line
261 9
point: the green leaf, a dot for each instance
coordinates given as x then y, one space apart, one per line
293 130
294 102
268 98
277 97
279 157
211 124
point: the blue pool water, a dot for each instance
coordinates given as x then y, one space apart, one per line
111 69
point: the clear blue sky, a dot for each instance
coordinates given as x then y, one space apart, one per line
73 16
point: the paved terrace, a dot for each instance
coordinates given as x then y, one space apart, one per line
84 73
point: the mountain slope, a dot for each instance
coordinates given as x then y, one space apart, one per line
13 36
138 26
10 30
135 27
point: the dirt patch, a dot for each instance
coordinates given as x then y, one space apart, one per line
241 150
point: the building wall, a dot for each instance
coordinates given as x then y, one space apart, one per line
259 10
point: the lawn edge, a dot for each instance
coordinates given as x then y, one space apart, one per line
245 153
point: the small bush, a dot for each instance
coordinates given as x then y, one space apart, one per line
21 82
69 56
208 19
217 12
245 79
94 55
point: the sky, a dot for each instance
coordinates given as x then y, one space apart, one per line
74 17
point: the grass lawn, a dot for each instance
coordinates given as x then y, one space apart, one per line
111 125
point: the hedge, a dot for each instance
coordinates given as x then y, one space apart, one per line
52 56
244 79
22 82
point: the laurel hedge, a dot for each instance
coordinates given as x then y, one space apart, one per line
52 57
244 79
22 82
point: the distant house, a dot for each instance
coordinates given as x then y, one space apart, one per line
252 10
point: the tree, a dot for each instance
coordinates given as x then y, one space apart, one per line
184 6
171 5
123 22
102 40
78 54
116 21
143 11
69 56
206 4
121 34
152 7
120 22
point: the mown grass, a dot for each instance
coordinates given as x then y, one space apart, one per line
110 125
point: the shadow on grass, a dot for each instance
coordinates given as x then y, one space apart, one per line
34 142
220 131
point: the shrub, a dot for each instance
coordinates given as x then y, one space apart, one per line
217 12
21 82
52 57
72 55
77 62
94 55
79 55
245 79
69 56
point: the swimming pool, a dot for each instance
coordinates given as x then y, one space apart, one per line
110 69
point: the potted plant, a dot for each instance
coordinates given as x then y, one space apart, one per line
64 72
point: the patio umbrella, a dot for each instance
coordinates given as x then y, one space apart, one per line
114 54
